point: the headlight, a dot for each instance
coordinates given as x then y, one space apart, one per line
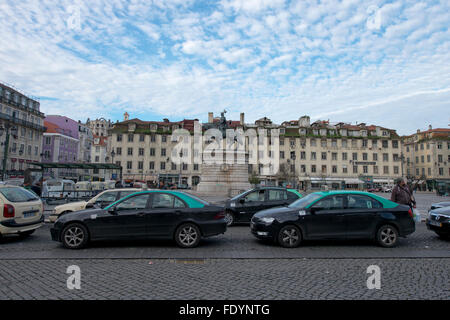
267 220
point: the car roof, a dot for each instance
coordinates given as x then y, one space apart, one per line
386 202
9 186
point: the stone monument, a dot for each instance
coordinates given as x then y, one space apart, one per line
224 178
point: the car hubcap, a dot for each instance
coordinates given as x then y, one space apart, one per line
188 236
74 236
290 236
229 218
388 236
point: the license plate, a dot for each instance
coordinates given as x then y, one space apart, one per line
435 223
29 214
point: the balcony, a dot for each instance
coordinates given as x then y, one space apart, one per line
28 124
21 106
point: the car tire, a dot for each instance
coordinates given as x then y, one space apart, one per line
387 236
229 218
26 233
187 235
74 236
289 236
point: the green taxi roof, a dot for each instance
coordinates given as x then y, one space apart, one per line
191 201
385 202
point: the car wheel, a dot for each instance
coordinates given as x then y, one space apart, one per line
289 236
187 235
26 233
387 236
229 218
74 236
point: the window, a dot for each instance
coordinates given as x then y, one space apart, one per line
344 156
48 140
130 151
118 151
440 158
195 166
365 156
334 169
140 165
324 156
255 196
97 159
163 152
303 155
344 169
364 143
129 164
330 203
163 166
361 202
151 165
130 137
375 157
141 151
375 169
153 138
385 170
185 166
141 138
323 143
152 152
281 154
163 138
313 168
324 169
354 156
365 169
106 197
334 156
354 143
313 156
384 143
344 143
313 142
385 157
275 195
133 203
355 169
292 155
164 200
119 137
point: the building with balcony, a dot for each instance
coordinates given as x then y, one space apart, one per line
100 154
21 121
427 158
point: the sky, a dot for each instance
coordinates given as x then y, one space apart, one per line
377 62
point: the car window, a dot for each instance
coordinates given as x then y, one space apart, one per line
162 200
178 203
275 195
107 197
305 201
18 195
361 202
255 196
292 196
123 194
330 203
133 203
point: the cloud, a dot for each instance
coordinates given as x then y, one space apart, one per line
280 59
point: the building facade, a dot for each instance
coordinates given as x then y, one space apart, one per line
427 158
310 155
60 145
99 127
22 121
100 154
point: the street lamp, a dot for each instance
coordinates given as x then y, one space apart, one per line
181 164
9 130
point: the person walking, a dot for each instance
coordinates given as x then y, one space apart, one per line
402 194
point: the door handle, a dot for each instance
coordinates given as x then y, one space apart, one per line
177 212
140 214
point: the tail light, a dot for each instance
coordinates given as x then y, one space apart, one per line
410 212
8 211
220 215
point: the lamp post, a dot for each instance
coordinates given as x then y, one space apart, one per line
112 156
8 129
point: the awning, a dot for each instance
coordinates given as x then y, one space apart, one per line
383 180
353 181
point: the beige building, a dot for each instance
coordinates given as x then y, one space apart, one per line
310 154
100 126
427 158
322 153
100 154
22 121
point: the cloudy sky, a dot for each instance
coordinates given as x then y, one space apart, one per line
378 62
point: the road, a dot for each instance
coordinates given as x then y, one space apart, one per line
230 266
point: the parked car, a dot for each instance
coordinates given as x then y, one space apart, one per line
22 211
438 220
387 188
335 215
151 214
374 189
101 200
439 205
242 207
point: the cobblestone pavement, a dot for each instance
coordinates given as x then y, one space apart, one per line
230 266
226 279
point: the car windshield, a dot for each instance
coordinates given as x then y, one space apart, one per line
18 194
238 196
304 202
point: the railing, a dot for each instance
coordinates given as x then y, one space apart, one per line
21 106
65 196
24 123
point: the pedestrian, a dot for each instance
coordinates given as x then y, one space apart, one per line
402 194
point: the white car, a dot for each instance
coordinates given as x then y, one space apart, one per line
101 200
22 211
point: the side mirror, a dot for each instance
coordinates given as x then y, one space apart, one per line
241 200
112 210
89 205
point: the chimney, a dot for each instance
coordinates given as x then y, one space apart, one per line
210 117
241 120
